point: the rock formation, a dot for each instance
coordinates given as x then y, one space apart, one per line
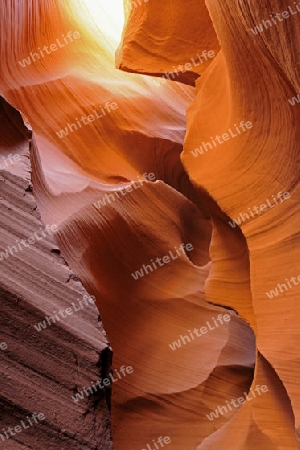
164 153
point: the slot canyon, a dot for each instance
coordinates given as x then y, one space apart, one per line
149 240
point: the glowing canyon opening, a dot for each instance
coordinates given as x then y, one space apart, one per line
139 309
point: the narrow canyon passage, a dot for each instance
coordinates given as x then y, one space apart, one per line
149 187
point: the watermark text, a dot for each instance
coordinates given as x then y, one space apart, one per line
218 140
41 53
203 330
237 402
162 261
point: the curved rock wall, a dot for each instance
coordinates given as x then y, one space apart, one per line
175 200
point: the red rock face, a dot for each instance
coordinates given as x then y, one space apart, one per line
166 160
170 39
52 344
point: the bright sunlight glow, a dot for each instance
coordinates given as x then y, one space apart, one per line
109 16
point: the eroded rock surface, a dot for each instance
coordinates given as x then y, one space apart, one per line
44 362
165 164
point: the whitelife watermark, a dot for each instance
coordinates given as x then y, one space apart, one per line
64 313
244 217
292 101
241 128
274 292
10 251
39 54
108 198
86 120
13 431
166 260
3 346
9 160
101 384
162 441
203 330
137 3
226 408
186 67
276 18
